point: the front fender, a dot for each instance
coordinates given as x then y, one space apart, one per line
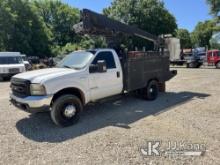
54 87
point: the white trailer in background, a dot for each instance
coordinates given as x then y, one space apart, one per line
173 46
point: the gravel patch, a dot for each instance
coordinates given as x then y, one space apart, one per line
114 132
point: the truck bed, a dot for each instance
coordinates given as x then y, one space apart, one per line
141 67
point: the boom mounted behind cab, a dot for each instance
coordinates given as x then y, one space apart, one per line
96 24
139 67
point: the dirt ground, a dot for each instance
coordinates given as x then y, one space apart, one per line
117 131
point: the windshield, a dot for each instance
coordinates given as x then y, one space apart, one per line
201 54
10 60
76 60
188 54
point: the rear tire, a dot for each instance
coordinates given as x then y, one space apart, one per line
198 65
191 65
151 91
218 65
66 110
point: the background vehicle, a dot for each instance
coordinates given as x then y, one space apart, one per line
11 63
88 76
196 58
26 62
173 46
192 58
33 60
213 58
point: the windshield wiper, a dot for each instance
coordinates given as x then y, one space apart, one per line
66 66
71 67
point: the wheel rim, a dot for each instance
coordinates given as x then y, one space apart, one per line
152 91
69 111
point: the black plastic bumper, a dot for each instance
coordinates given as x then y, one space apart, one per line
170 75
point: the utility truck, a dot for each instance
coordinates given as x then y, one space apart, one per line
91 75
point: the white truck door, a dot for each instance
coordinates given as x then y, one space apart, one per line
108 83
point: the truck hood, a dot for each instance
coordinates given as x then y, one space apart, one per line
39 76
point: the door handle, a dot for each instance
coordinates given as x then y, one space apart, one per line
118 74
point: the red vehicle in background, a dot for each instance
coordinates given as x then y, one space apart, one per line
213 58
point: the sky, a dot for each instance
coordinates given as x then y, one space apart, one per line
187 12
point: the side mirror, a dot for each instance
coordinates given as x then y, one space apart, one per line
93 68
100 67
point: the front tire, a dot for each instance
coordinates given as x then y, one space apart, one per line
218 65
151 91
66 110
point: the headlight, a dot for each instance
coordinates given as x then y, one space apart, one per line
37 90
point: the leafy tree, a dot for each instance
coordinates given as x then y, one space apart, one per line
86 42
148 15
215 11
203 33
21 29
184 36
214 7
59 19
215 41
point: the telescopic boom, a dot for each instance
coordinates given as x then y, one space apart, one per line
97 24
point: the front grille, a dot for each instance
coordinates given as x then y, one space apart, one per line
20 88
14 70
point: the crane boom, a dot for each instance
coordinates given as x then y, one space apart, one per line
97 24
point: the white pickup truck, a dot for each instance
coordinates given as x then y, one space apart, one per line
87 76
11 63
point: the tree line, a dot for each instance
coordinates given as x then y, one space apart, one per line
40 27
203 32
44 27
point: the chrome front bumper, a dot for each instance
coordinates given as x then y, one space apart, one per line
31 103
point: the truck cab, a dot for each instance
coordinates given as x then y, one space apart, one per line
89 75
11 63
213 58
196 58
